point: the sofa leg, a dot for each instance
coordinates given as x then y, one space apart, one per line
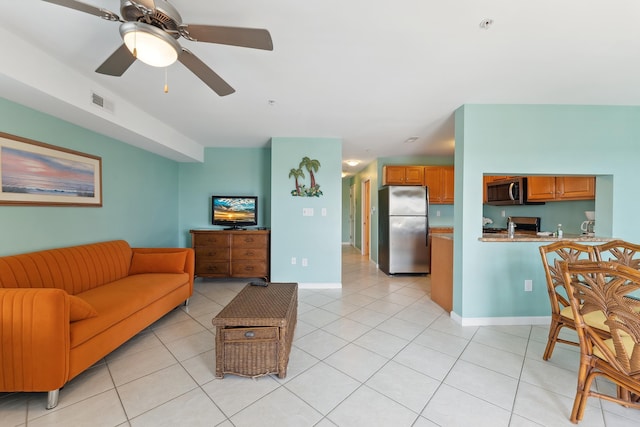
52 398
186 302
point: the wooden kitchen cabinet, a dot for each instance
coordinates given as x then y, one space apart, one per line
231 253
440 180
402 175
558 188
442 271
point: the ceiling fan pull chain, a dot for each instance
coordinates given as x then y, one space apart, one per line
166 80
135 44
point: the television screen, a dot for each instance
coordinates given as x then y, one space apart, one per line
234 211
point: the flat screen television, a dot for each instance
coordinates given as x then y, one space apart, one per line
234 212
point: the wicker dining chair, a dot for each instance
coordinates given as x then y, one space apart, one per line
604 287
561 314
619 251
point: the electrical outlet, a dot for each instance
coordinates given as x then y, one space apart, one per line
528 285
305 262
293 260
503 213
437 213
324 211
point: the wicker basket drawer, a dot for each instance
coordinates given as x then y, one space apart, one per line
249 241
251 359
250 334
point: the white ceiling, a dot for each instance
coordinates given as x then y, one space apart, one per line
372 73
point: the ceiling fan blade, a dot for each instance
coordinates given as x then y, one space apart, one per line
87 8
117 63
255 38
204 73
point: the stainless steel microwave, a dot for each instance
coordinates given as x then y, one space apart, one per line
511 191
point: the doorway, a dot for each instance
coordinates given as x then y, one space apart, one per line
366 216
352 215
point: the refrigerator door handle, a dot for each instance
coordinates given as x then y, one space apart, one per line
426 190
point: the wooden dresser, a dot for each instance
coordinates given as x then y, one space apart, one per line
231 253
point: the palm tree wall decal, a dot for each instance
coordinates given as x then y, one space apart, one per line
296 173
311 165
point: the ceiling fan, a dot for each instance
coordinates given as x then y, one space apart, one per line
150 29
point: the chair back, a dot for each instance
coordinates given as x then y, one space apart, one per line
619 251
605 286
552 255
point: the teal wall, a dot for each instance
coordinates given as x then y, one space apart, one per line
317 237
535 139
225 172
140 192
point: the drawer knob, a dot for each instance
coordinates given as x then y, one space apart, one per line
249 334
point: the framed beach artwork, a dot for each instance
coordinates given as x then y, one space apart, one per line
34 173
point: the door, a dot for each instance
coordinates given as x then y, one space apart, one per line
366 217
407 200
576 187
408 250
352 215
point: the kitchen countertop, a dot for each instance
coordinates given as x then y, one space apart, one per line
448 236
498 237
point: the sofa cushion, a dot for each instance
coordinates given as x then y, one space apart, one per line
122 298
80 309
164 262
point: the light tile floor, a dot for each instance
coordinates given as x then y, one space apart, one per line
377 352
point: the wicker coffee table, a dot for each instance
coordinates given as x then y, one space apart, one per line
254 331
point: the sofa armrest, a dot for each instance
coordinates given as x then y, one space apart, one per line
189 263
34 338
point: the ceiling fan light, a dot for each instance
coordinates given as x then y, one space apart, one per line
151 45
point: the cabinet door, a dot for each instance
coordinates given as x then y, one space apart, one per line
433 180
447 185
393 175
413 175
576 187
541 188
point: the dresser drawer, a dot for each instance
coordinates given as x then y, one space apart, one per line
259 254
212 254
211 240
249 269
211 267
249 241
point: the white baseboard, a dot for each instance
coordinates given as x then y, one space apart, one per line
314 285
493 321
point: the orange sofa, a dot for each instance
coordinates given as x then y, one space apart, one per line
62 310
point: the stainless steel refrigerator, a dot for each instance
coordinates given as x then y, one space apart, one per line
403 229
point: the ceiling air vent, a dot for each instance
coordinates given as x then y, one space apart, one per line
97 100
101 102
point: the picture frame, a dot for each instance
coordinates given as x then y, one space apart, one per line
38 174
